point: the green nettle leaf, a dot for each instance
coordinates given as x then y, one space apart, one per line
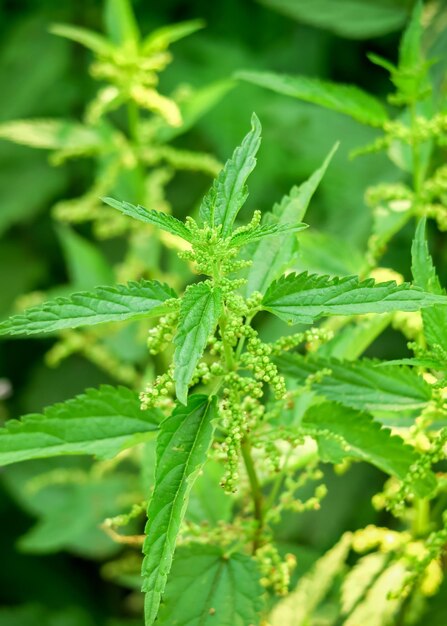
50 134
264 231
103 304
368 441
346 99
224 200
361 384
424 274
199 311
161 38
151 216
88 38
182 447
304 298
120 22
101 422
270 258
208 587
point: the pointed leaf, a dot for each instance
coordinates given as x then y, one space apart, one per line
361 384
271 258
88 38
346 99
199 311
101 422
151 216
261 232
224 200
209 587
182 447
368 441
103 304
120 22
161 38
304 298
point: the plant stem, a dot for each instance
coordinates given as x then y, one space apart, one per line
256 493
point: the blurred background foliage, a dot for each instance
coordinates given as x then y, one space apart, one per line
52 570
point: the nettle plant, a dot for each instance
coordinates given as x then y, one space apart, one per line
127 131
254 418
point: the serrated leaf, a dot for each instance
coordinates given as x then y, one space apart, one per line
163 37
361 384
150 216
270 258
182 447
261 232
304 298
120 22
208 588
300 604
199 311
347 99
104 304
228 193
100 422
424 274
368 441
51 134
88 38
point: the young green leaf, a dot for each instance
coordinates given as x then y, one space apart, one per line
346 99
103 304
368 441
182 447
199 311
224 200
161 38
271 258
210 588
261 232
50 134
410 44
151 216
88 38
424 274
100 422
304 298
120 22
361 384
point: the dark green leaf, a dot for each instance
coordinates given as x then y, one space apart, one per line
182 447
103 304
100 422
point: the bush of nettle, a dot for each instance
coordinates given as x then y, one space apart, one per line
253 379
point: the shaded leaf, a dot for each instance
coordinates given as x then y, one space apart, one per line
161 38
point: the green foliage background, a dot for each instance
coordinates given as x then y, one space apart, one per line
45 76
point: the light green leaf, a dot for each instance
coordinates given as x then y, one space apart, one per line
358 580
266 230
162 38
424 273
410 45
325 253
208 588
151 216
120 22
86 265
361 384
199 311
88 38
304 298
368 441
224 200
101 422
297 607
182 447
271 258
346 99
103 304
52 134
356 19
